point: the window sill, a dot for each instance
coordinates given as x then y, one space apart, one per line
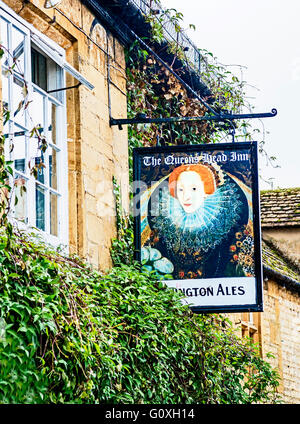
37 235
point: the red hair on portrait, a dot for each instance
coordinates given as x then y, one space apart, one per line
205 174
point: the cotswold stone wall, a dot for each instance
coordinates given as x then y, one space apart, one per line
277 331
280 335
96 151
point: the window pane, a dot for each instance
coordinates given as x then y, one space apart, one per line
20 198
46 73
36 110
7 141
54 79
19 149
18 112
53 214
52 122
40 207
52 168
39 69
17 44
34 150
5 90
39 162
36 159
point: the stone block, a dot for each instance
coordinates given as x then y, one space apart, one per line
118 103
119 55
92 253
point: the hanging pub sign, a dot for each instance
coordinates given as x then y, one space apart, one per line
196 214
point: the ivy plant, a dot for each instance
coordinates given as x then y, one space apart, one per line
69 334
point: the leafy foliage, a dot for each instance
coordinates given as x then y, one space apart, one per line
122 249
71 335
154 91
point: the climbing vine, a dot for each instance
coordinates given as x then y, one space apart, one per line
155 91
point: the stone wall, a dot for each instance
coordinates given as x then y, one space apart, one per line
277 331
96 151
280 335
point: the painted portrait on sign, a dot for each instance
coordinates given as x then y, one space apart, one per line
197 220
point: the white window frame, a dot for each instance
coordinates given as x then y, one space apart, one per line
62 168
48 46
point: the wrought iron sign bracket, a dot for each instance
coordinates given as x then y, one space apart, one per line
220 117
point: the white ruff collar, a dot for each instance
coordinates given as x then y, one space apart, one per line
201 230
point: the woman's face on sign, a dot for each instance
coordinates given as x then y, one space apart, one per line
190 191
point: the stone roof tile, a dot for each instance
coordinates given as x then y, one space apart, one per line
280 208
